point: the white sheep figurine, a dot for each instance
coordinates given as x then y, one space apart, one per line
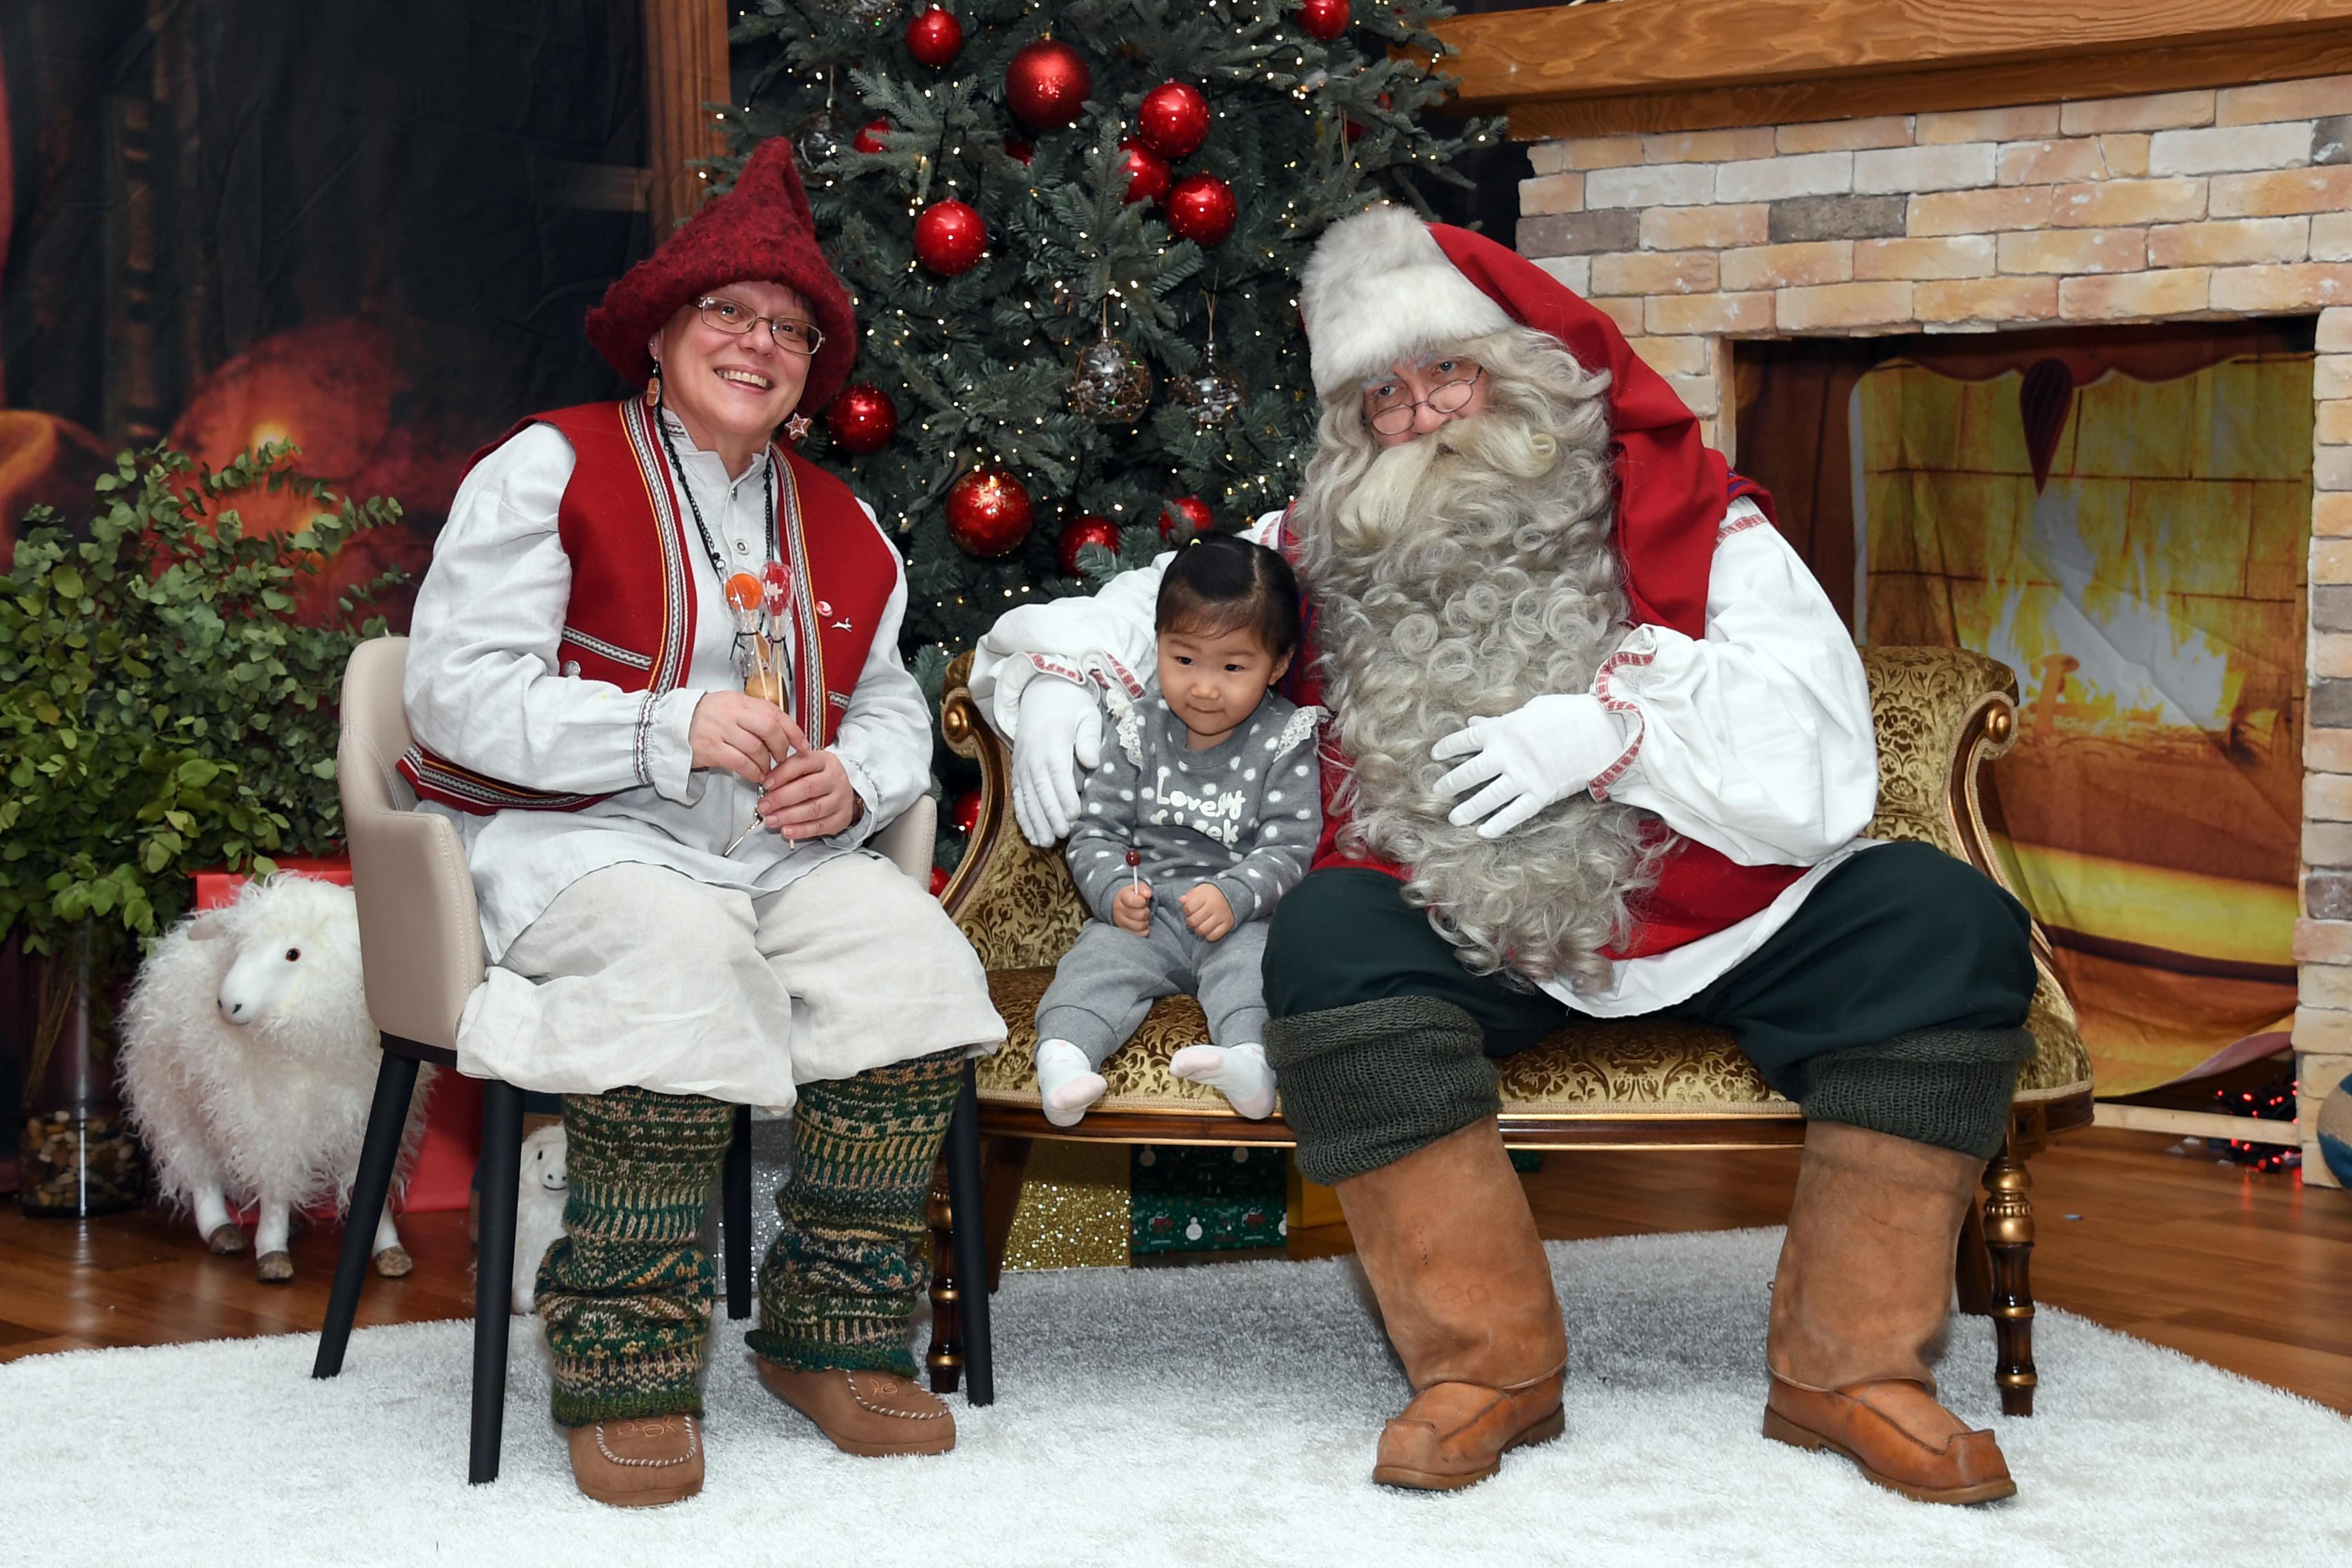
249 1065
539 1197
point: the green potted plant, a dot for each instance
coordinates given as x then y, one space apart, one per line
161 710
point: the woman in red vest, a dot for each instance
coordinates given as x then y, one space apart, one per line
647 630
1600 747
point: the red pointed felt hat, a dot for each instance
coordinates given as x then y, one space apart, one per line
761 231
1383 286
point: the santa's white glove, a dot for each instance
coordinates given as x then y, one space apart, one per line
1545 752
1060 731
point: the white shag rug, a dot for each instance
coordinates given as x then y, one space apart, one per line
1213 1415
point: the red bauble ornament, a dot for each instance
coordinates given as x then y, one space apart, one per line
862 419
965 811
938 880
870 134
1173 119
1184 512
950 237
1147 172
1324 19
1046 84
988 512
1019 151
934 37
1087 528
1202 209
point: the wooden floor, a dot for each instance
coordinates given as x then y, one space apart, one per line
2251 1272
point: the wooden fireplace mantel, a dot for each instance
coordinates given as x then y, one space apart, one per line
1696 64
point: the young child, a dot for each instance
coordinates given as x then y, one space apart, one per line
1212 784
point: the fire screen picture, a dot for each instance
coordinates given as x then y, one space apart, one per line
2129 535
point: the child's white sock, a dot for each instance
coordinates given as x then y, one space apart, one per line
1238 1072
1067 1082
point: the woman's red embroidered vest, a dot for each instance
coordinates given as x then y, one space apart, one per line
631 617
1699 890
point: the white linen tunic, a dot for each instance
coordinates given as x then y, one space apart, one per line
484 689
740 976
1754 739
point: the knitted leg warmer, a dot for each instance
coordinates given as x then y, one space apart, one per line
839 1286
625 1291
1948 1087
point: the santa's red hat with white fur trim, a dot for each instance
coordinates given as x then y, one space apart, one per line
1383 287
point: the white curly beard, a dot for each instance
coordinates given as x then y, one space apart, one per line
1457 577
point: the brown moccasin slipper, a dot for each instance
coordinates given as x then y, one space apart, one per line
870 1414
641 1462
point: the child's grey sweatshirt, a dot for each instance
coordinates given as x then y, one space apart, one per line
1244 814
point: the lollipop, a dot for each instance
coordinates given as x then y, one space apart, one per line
745 597
1134 858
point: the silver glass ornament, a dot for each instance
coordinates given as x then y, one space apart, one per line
1110 382
819 139
1213 392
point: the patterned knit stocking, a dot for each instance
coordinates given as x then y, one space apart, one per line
625 1291
838 1287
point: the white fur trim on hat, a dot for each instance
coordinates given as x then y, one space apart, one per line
1377 288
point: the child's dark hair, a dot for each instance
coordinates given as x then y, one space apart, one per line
1222 583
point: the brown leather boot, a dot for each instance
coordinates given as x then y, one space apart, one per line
1865 1282
873 1415
1451 1251
640 1462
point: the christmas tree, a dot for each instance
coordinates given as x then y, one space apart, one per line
1045 214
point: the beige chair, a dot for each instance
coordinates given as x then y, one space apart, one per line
421 952
1941 715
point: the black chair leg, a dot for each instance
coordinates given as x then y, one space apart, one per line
737 1217
395 1084
499 1171
968 1211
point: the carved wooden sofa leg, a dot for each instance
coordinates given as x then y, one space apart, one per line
2009 1236
945 1358
1007 1162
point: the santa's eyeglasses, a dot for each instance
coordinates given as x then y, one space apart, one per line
1445 397
790 332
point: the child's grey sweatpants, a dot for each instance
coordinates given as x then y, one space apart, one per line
1109 980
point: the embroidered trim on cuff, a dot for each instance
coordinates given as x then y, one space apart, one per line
641 745
1616 704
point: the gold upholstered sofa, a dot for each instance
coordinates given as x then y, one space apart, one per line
1941 715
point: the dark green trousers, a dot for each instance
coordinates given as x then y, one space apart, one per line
1898 938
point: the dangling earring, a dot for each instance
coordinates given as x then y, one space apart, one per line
653 387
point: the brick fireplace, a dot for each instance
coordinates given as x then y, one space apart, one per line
2209 204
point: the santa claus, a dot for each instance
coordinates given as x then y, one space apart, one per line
1600 747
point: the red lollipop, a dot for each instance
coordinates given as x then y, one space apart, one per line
1202 209
934 37
1173 118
